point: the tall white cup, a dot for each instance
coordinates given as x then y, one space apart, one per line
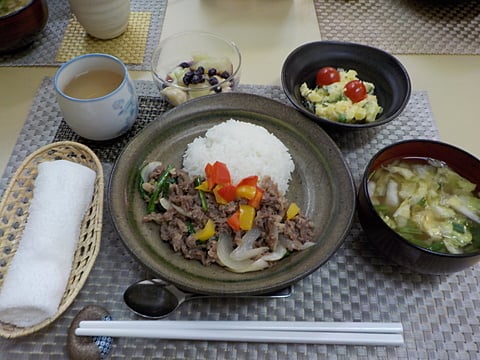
104 116
103 19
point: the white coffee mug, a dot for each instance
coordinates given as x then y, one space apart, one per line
97 96
103 19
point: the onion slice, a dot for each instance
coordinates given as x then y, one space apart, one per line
166 204
225 248
246 249
279 252
148 168
289 244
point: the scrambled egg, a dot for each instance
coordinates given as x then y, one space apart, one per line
329 101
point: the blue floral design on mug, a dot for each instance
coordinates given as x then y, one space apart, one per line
127 109
118 105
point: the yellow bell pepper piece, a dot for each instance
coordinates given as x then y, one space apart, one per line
207 232
246 191
218 198
247 216
203 186
292 211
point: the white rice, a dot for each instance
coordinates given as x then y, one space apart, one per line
247 149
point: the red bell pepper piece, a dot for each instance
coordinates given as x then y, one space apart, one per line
257 199
209 174
218 198
217 174
227 192
249 181
221 173
234 221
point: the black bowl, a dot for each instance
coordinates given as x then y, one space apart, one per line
391 80
391 244
20 27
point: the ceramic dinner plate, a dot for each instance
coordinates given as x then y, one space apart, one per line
321 185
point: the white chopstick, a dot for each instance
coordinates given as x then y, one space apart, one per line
303 337
185 330
353 327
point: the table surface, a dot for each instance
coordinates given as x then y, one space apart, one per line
356 284
266 31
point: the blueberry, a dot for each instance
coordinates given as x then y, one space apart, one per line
212 72
213 81
184 65
187 79
200 70
218 89
196 79
225 74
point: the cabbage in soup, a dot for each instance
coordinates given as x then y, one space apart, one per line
9 6
428 204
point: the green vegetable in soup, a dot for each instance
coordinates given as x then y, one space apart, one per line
428 204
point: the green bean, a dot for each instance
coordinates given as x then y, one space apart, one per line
158 189
201 194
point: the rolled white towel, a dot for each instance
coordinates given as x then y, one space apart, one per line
38 273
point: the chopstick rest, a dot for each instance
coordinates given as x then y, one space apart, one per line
89 348
348 333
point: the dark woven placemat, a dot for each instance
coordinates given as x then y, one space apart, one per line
403 26
439 313
135 47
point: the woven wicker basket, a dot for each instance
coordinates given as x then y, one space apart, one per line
14 209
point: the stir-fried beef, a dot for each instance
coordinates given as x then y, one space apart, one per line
185 215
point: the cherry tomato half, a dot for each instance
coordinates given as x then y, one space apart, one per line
355 90
327 75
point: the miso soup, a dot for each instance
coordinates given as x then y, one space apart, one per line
428 203
10 6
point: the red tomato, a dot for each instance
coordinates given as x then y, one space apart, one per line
327 75
355 90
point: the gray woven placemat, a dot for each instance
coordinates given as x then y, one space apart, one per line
403 26
439 313
44 50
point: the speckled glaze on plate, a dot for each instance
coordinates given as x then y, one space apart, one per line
321 184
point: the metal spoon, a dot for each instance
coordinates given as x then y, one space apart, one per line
156 299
